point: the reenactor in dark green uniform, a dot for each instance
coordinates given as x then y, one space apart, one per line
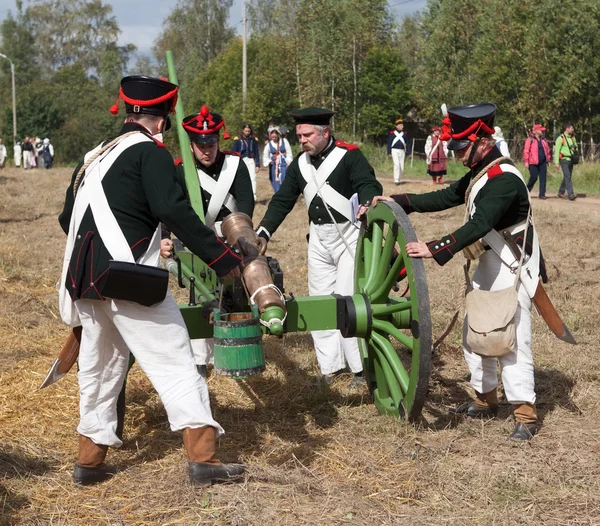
497 199
225 185
335 178
112 288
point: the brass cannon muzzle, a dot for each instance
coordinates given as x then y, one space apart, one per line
238 230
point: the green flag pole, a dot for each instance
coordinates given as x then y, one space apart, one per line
189 168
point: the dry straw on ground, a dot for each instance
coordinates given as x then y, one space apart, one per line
314 457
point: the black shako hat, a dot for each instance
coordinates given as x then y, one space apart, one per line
464 124
316 116
149 95
204 127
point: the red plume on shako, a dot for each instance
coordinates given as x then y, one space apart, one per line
204 127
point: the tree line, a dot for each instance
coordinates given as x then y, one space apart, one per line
537 60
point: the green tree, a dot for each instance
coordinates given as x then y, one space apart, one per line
74 31
196 32
385 91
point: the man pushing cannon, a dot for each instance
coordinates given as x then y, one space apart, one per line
497 201
334 177
225 185
112 287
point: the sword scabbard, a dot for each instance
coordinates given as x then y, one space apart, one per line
541 301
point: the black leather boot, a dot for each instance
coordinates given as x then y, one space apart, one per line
90 467
203 465
474 410
205 474
524 431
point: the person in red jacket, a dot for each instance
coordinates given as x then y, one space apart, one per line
536 156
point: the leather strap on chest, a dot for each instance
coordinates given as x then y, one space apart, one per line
316 182
219 188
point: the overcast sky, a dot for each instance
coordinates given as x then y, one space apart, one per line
141 20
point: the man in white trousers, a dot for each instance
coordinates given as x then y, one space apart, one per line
225 186
398 147
497 199
334 178
112 215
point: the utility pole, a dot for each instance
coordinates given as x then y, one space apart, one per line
14 97
244 66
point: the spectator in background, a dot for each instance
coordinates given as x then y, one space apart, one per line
39 158
277 155
246 144
501 144
2 154
566 155
398 148
28 157
18 153
47 153
436 151
536 157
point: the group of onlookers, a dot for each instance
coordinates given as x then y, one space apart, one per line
33 152
537 155
276 156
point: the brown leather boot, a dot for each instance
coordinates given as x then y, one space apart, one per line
485 405
90 467
526 422
204 466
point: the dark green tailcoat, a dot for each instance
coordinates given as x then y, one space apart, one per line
352 175
502 202
142 190
241 189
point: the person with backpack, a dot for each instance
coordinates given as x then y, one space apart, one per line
47 153
536 157
566 155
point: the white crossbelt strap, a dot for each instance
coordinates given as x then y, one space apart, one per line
531 268
91 194
219 189
316 182
399 137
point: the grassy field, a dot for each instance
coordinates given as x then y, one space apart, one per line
314 456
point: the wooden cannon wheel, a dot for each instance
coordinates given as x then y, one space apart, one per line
397 350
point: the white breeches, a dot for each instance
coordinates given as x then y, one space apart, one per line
252 171
398 156
158 338
204 351
517 366
331 271
28 160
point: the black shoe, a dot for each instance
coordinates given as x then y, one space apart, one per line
206 474
572 197
397 183
524 431
202 371
358 382
87 476
474 411
542 197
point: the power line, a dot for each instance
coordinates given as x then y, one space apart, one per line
401 3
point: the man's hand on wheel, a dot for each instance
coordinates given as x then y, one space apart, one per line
418 249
